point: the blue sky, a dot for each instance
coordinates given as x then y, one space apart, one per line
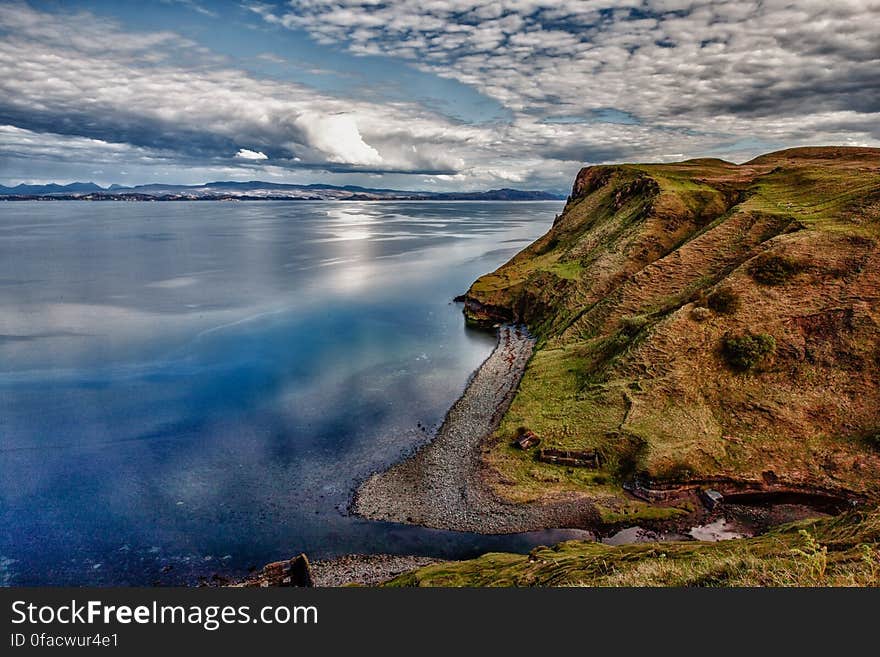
436 94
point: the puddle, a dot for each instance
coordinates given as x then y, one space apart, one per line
641 535
738 520
720 530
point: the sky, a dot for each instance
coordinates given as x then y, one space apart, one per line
427 94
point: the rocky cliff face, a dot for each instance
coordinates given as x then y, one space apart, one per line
701 321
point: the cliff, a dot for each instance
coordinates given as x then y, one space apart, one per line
699 322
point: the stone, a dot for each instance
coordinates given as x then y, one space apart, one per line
526 440
711 498
700 314
586 458
301 572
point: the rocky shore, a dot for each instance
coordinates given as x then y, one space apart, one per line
357 569
442 484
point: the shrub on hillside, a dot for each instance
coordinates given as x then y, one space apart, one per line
770 269
745 351
723 300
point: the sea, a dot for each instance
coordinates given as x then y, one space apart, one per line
189 390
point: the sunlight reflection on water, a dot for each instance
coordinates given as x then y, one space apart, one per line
192 380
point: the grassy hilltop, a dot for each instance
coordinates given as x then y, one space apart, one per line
699 322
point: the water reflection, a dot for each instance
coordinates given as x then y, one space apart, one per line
199 385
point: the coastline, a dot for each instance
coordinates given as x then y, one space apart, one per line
441 485
347 570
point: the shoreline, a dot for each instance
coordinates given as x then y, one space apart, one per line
441 485
347 570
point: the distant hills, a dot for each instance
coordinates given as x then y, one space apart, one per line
254 190
52 188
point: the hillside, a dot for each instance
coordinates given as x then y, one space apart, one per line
699 323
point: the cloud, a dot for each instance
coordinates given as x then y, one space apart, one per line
338 137
191 4
272 58
725 68
245 154
201 111
17 142
581 82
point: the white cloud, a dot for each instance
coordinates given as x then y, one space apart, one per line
245 154
19 142
338 137
201 108
698 77
728 69
272 58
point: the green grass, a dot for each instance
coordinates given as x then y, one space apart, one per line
553 402
568 270
816 196
842 551
631 512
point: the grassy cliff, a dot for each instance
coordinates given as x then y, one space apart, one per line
699 322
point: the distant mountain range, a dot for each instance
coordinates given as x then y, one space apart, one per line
254 190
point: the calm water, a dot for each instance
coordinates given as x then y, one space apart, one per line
190 388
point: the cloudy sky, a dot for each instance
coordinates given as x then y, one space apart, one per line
427 94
